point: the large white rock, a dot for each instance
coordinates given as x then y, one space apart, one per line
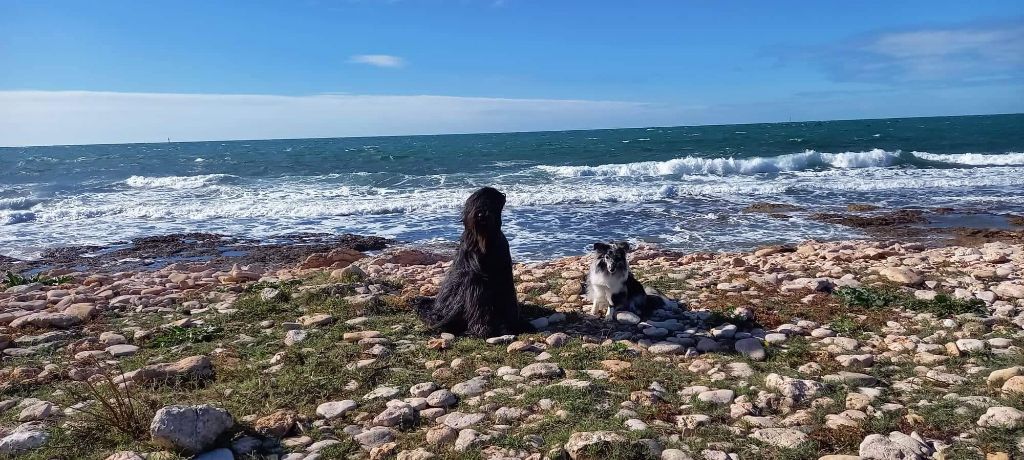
901 275
581 443
716 396
674 454
375 436
1002 417
38 411
856 361
334 409
22 441
442 398
541 370
970 345
895 446
1008 290
666 348
460 420
798 390
382 392
471 387
396 415
189 428
786 438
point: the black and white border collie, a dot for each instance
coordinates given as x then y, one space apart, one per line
610 284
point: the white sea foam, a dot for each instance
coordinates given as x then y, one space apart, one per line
809 159
16 217
179 182
321 197
19 204
690 192
974 159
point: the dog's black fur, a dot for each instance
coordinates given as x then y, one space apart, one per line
478 294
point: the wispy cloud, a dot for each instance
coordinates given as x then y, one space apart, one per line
969 53
90 117
378 60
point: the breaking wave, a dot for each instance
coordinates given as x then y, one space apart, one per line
308 198
180 182
807 160
19 204
974 159
16 217
690 165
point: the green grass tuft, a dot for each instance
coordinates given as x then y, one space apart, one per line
12 279
889 297
176 335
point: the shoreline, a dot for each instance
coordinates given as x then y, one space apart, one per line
934 227
796 351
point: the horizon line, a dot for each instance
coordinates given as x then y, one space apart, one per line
513 132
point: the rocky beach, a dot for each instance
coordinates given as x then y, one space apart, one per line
871 349
367 230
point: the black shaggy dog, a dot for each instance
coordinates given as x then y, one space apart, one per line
478 295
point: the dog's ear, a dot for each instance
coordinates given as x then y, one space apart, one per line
624 245
601 248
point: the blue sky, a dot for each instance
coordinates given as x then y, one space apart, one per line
126 71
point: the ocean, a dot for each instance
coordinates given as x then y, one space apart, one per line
680 187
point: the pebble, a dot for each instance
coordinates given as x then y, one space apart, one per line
716 396
751 348
294 336
382 392
122 350
334 409
541 370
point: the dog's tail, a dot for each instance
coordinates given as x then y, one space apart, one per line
424 307
436 319
655 300
651 303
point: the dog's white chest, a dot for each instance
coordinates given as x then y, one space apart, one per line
607 281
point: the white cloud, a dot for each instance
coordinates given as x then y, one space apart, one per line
933 54
963 53
89 117
378 60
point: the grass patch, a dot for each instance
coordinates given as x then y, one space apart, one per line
618 451
889 297
805 451
998 440
662 282
176 335
586 410
719 318
12 279
252 309
845 324
796 352
343 449
946 418
113 407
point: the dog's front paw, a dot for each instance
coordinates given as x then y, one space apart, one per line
610 316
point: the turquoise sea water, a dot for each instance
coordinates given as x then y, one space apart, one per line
680 186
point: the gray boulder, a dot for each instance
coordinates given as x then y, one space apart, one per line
189 429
